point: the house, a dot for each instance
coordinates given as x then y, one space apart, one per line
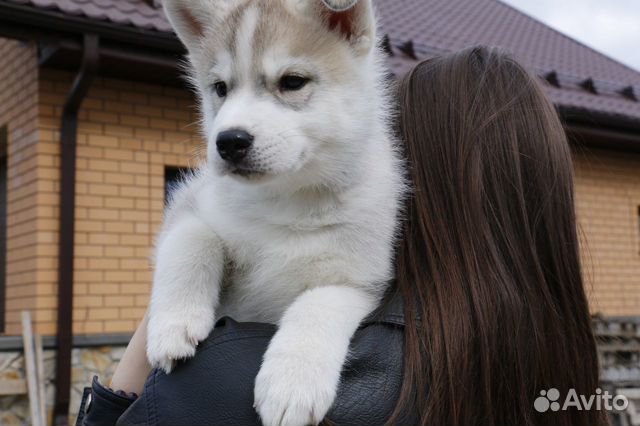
95 124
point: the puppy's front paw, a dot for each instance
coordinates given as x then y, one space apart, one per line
292 390
171 340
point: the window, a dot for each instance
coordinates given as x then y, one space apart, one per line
172 178
3 223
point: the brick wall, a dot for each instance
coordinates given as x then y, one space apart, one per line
127 134
608 198
26 165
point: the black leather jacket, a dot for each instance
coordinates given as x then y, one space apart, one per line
215 388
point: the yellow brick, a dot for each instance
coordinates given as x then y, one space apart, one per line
119 326
103 313
142 300
127 143
118 154
135 240
43 315
104 214
92 103
104 165
89 152
46 302
89 200
93 327
103 189
144 204
135 288
119 227
103 263
144 276
89 176
119 178
86 127
134 191
113 106
119 203
163 123
87 301
89 251
118 276
44 328
134 120
115 130
142 228
142 157
89 226
80 289
177 114
134 167
119 251
152 135
89 276
135 98
104 288
143 251
102 117
132 313
140 264
119 301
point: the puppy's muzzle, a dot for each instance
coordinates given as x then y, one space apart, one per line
233 145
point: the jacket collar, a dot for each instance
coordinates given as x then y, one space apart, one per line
391 310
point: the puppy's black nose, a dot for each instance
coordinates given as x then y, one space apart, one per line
233 145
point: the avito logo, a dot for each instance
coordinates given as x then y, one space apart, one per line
550 400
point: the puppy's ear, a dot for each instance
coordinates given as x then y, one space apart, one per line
193 19
354 19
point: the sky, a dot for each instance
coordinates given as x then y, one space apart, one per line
609 26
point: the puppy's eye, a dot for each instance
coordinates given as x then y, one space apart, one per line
220 88
292 82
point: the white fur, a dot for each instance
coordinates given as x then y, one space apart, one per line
340 5
305 243
332 313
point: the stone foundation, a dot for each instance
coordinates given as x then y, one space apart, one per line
85 363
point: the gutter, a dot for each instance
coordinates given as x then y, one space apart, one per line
68 138
615 122
601 130
603 138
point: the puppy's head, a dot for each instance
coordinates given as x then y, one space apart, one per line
287 86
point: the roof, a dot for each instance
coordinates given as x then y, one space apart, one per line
137 13
577 77
437 26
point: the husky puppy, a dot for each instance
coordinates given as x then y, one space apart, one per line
292 219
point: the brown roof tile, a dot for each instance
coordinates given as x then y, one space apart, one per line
437 26
136 13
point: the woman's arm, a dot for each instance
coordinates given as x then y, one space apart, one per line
133 369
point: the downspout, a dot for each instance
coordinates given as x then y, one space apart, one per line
68 137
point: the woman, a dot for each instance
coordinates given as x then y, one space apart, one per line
490 258
488 270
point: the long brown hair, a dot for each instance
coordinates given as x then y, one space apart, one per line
489 265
